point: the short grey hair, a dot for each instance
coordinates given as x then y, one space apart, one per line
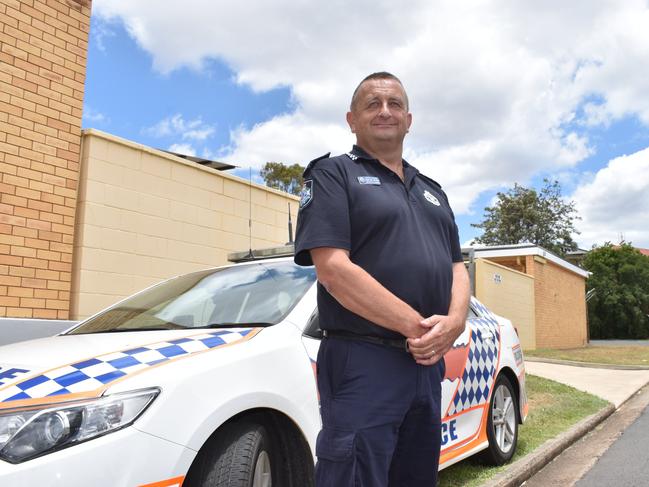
377 75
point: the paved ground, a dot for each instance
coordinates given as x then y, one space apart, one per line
626 462
620 387
612 454
615 386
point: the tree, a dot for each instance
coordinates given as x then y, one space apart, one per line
524 215
280 176
619 307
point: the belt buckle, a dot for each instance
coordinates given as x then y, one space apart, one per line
406 346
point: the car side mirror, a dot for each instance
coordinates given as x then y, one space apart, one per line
312 328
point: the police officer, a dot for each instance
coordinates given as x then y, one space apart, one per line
393 294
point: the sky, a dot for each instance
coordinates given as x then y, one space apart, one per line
501 92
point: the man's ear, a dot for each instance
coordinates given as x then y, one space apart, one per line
409 121
350 122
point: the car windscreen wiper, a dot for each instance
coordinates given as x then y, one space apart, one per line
245 324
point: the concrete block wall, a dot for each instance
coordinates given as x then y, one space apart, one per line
145 215
510 294
43 45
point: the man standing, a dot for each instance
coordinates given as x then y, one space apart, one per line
392 298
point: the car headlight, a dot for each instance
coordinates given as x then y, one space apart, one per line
26 434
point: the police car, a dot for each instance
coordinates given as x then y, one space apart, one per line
209 379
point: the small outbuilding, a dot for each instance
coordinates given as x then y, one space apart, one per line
542 294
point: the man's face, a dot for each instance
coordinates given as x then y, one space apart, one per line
380 113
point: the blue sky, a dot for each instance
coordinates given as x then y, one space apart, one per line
500 94
126 97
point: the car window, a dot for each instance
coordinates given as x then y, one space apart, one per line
262 292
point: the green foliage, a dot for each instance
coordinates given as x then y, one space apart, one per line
619 307
280 176
524 215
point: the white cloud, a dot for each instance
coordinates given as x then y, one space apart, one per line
185 149
616 202
176 125
268 141
100 31
596 114
93 116
494 86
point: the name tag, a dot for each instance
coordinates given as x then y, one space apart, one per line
369 180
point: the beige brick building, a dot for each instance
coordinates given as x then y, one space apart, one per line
555 289
42 73
144 215
82 227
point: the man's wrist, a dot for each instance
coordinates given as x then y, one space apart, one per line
411 323
458 321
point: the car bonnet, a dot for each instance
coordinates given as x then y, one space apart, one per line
75 367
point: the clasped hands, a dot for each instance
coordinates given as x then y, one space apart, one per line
432 337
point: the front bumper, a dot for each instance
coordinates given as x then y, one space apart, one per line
126 458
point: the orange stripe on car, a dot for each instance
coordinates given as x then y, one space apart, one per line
175 482
445 457
464 411
468 349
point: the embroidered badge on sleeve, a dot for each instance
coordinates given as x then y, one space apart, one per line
306 195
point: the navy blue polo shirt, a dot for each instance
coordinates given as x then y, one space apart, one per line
403 233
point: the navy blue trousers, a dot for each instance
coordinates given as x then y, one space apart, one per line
380 417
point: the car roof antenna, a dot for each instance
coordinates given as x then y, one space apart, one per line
290 226
250 256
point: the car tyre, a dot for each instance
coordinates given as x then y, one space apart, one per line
238 456
502 423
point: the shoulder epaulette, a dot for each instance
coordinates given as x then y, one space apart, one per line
314 162
430 180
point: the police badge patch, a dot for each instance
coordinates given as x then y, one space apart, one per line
306 195
431 198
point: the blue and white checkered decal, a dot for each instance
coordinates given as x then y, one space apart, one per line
95 373
481 363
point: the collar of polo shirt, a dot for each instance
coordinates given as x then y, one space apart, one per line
358 153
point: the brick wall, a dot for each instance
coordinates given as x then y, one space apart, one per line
560 305
42 73
145 215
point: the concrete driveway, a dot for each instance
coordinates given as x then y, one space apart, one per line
616 386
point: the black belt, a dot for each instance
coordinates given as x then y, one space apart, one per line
400 343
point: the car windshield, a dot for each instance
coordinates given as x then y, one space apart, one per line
257 294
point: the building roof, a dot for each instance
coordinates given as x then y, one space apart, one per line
516 250
183 160
219 166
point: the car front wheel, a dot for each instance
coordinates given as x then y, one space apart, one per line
502 423
239 456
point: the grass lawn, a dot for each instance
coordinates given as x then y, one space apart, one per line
553 409
637 355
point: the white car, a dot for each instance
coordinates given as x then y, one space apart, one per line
209 379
